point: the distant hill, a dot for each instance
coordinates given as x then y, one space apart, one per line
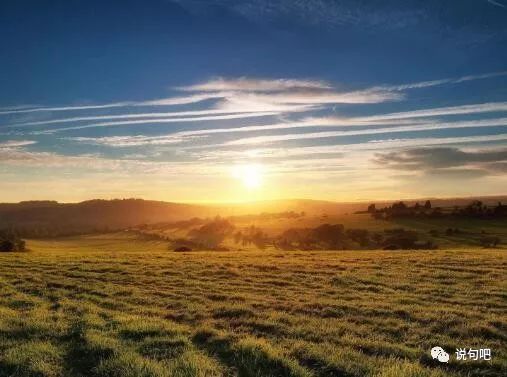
46 218
319 207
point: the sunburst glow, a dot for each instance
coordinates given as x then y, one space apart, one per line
250 175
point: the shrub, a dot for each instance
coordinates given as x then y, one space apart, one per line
400 238
489 241
7 245
9 241
182 249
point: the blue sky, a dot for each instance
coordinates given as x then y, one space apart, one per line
338 100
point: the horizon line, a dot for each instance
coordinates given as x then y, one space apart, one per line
215 203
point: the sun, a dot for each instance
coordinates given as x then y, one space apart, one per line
249 175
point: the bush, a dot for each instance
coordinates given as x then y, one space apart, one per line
400 238
11 242
212 233
183 249
7 245
489 241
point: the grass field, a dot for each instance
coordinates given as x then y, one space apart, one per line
114 306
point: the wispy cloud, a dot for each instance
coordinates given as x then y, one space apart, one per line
430 83
327 134
183 136
64 108
402 118
254 85
372 145
132 116
157 120
20 157
267 92
496 3
131 141
450 110
399 118
16 143
177 100
402 121
319 97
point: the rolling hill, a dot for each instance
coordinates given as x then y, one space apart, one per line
41 218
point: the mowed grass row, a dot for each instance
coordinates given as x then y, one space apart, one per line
113 305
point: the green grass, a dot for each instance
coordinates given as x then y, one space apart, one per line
114 305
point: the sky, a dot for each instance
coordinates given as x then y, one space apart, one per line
238 100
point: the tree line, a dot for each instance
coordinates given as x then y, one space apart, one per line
476 209
323 237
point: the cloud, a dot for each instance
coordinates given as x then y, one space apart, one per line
304 123
372 145
172 101
457 173
173 114
16 143
157 120
245 84
445 161
255 93
496 3
450 110
329 134
158 102
64 108
401 118
259 93
19 157
326 14
457 80
265 92
319 97
184 136
131 141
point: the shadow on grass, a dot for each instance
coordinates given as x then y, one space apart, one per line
251 357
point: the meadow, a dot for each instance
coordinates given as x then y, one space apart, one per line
118 305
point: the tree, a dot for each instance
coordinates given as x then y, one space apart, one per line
489 241
10 241
427 205
332 236
361 236
377 238
212 233
401 238
238 237
7 245
399 206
